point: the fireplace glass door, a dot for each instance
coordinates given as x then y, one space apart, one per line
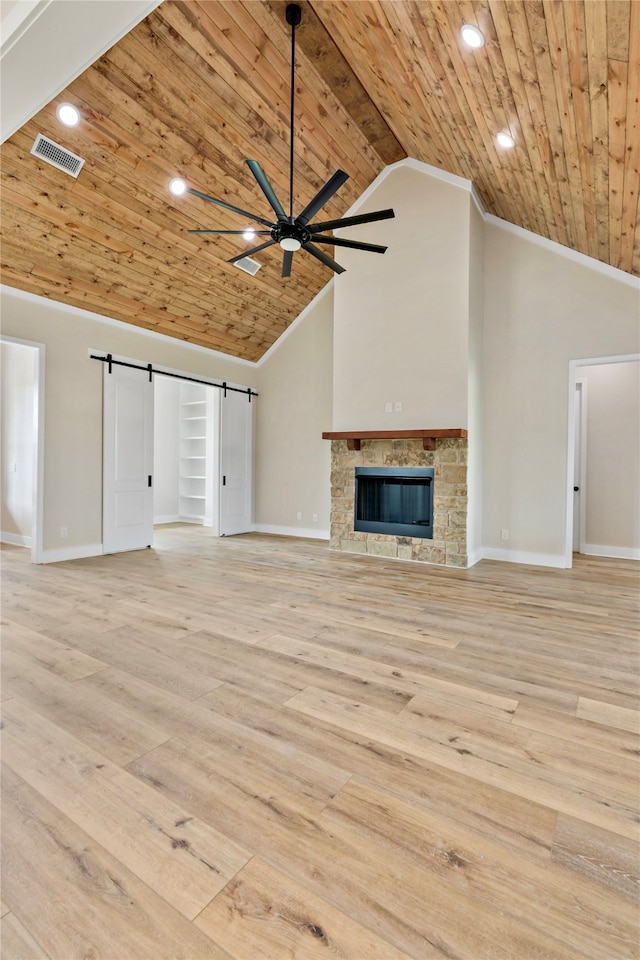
397 501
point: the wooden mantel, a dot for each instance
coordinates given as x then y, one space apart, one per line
428 437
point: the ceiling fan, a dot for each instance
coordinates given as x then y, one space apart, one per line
295 233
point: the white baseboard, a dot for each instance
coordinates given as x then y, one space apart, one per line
523 556
619 553
158 521
16 539
303 532
71 553
474 557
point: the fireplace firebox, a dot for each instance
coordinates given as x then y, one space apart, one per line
397 501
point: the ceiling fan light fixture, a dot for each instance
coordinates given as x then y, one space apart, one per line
505 140
248 234
68 114
177 186
290 243
472 36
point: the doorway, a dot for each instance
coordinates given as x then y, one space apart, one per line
22 405
603 494
196 466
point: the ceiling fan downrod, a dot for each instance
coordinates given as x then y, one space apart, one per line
293 15
289 232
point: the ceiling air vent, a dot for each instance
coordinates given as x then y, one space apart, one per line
248 265
57 156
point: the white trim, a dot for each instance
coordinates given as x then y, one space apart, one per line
575 255
111 322
15 539
475 557
72 553
620 553
524 556
300 532
36 540
582 469
451 178
158 521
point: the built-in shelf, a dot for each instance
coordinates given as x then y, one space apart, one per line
355 437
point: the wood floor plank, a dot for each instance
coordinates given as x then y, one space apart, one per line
576 729
610 714
146 657
182 859
76 899
16 943
60 658
599 855
120 737
263 913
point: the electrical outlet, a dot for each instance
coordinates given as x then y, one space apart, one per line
388 407
504 534
397 406
299 515
315 518
64 532
12 467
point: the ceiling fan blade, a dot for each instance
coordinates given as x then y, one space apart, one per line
287 260
353 221
239 233
266 188
247 253
321 255
228 206
354 244
322 196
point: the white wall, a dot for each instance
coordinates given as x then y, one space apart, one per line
17 411
612 481
292 473
166 449
73 400
542 309
401 318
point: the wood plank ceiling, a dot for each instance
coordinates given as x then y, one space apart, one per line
199 86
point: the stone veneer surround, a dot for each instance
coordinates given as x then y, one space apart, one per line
449 460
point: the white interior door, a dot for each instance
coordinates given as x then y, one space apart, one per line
236 459
127 498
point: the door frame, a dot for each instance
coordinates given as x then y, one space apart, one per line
37 523
581 436
574 368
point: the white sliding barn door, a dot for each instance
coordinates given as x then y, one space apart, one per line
127 494
236 460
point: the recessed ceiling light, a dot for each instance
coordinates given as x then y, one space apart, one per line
505 140
249 234
177 187
472 36
68 114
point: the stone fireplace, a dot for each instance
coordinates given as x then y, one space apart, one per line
445 451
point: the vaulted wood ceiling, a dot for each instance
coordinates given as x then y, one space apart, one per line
200 86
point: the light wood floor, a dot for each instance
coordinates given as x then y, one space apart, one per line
256 748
